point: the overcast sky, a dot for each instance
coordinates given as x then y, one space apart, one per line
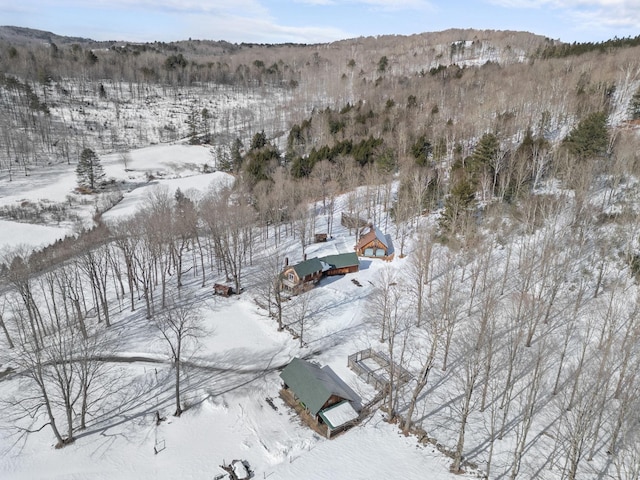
318 21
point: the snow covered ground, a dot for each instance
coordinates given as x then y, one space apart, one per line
15 235
174 166
229 419
231 383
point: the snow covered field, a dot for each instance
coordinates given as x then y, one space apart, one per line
144 170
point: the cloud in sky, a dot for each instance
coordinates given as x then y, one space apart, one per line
149 20
386 4
318 21
587 14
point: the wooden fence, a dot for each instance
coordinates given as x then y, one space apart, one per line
351 221
379 377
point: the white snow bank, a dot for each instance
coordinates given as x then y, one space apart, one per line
191 186
374 450
16 234
159 160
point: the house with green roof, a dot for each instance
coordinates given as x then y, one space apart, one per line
302 276
321 393
340 264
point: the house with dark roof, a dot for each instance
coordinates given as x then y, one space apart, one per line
301 276
340 264
374 244
322 395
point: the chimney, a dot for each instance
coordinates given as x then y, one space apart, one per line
305 258
286 261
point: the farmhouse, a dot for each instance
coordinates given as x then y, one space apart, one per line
320 395
374 244
340 264
302 276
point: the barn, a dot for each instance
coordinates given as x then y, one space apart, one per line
325 401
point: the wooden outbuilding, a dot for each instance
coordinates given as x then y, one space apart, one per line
340 264
374 244
223 290
320 237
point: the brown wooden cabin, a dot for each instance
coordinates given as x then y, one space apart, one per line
319 391
320 237
302 276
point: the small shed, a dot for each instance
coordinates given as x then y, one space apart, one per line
302 276
340 264
320 237
223 290
374 244
338 417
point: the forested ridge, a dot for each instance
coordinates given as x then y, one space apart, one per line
504 164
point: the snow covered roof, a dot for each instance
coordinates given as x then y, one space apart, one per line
339 414
312 384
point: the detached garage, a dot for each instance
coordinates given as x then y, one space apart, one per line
374 244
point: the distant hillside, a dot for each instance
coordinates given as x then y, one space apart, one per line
26 36
424 100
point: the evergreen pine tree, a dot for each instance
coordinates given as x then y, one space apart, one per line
590 138
89 171
485 153
422 151
383 63
458 206
258 141
224 162
193 123
236 154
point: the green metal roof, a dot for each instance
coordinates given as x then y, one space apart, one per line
312 384
308 267
341 260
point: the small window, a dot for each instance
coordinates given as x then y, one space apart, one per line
292 277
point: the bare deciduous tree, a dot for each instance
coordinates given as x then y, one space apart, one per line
180 326
61 371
